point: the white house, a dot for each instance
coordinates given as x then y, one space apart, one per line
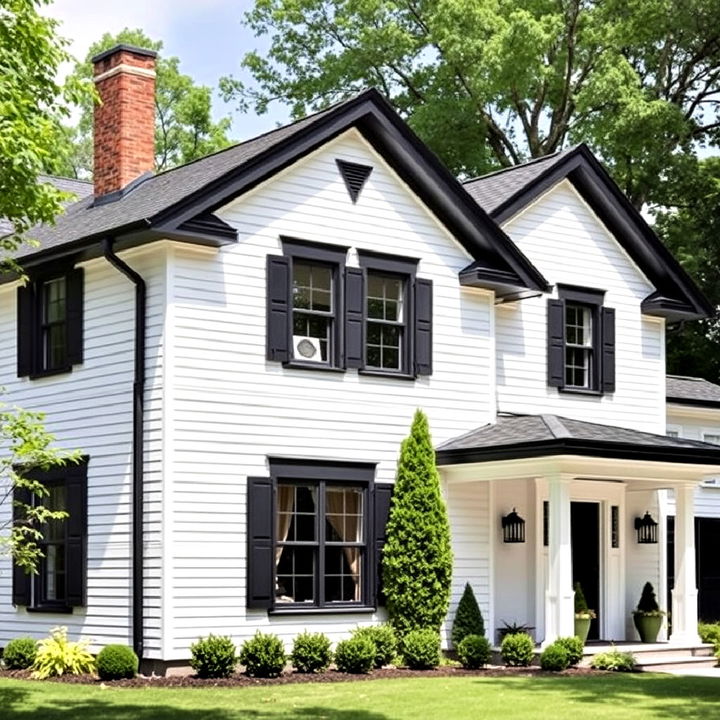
238 346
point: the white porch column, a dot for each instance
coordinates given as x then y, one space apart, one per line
684 594
559 594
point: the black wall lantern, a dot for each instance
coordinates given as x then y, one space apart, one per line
513 527
646 530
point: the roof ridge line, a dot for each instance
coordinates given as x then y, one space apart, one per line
510 168
555 426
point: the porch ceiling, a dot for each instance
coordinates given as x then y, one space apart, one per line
519 446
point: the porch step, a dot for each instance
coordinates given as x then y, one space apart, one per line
676 662
660 657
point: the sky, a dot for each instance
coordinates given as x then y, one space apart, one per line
207 36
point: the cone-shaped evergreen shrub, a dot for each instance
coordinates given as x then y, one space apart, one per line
468 618
417 560
581 606
648 602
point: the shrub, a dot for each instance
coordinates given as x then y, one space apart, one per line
19 654
115 662
384 639
213 657
709 633
356 655
417 558
517 650
263 655
614 660
56 655
473 651
468 618
581 607
574 647
311 653
554 657
514 629
648 604
421 649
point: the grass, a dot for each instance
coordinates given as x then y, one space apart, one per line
630 697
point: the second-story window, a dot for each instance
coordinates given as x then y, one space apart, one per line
386 330
53 323
579 350
313 311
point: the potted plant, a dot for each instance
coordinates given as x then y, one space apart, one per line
648 616
583 614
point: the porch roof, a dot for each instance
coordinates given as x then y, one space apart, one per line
526 436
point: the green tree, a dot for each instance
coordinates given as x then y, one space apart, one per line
489 83
689 225
468 618
184 128
417 559
31 100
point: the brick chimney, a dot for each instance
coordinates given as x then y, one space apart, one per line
124 122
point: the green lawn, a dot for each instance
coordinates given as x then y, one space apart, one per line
628 697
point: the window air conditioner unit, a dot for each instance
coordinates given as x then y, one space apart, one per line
306 348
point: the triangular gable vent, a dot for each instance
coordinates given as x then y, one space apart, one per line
354 175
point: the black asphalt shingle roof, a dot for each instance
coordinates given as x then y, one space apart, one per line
692 390
511 429
492 190
156 193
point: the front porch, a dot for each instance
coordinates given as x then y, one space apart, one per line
579 490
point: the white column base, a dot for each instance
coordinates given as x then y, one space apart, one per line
559 617
684 618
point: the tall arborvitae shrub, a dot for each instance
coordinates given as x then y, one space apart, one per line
468 618
417 560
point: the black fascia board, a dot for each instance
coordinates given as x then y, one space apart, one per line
683 299
695 402
405 153
581 448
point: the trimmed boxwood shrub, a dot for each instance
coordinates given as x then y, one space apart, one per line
356 655
384 639
554 657
115 662
263 655
474 651
574 648
468 618
213 657
421 649
417 559
19 654
311 653
517 650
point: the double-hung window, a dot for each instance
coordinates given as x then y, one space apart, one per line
315 534
314 309
386 324
60 581
50 323
581 341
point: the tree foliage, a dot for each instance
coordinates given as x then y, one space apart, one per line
417 558
31 100
184 128
468 618
489 83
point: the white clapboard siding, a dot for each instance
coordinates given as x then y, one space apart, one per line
230 408
562 237
91 409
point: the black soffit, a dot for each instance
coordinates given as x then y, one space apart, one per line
355 176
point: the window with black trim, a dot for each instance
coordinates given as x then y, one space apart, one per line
304 319
315 535
60 581
50 323
581 341
386 325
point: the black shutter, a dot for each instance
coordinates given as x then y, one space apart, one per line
382 495
75 297
354 317
556 342
278 308
25 330
76 534
261 554
608 350
423 326
20 578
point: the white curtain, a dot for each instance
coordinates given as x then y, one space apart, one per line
285 506
344 513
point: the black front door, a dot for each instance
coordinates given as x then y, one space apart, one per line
585 536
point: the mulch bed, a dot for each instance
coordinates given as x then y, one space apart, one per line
290 678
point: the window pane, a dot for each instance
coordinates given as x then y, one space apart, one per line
577 366
295 575
312 287
311 326
384 346
54 351
54 572
296 509
342 574
343 514
54 300
384 298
